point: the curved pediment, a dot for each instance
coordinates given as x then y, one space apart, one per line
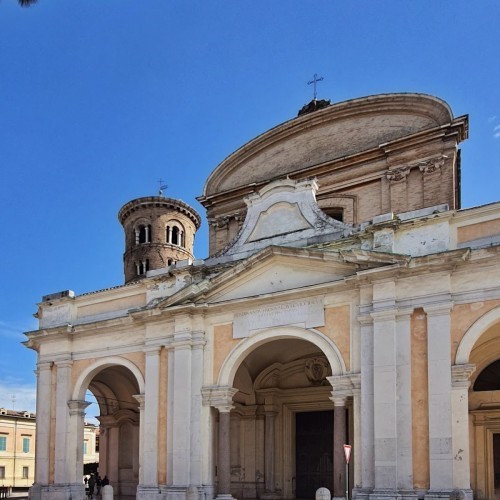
337 131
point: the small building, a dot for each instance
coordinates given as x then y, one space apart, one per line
348 298
17 447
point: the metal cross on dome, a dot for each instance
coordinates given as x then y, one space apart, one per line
314 81
162 187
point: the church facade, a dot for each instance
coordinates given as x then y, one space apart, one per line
347 299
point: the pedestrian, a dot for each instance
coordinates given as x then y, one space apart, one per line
105 481
91 485
98 484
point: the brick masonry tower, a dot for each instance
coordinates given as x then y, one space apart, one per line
158 232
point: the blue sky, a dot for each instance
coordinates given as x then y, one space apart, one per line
101 98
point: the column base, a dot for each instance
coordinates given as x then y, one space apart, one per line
360 493
379 494
270 495
457 494
224 496
56 491
186 492
148 492
338 498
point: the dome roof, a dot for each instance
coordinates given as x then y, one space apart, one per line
337 131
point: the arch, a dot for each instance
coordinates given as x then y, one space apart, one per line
473 333
88 374
175 233
244 348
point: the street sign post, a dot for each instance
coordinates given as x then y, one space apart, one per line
347 454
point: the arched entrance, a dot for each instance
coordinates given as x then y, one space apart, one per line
286 426
480 346
117 386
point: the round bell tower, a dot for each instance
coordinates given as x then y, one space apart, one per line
158 232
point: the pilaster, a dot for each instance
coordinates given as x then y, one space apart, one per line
440 414
149 409
460 375
63 380
43 407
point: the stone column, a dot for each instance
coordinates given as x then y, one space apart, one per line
440 415
357 444
404 434
222 399
197 345
339 439
460 375
343 387
367 453
181 410
75 447
140 398
384 402
62 462
43 404
269 444
148 423
224 452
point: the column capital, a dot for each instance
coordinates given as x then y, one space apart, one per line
152 350
460 375
140 398
220 397
77 407
439 308
344 386
65 363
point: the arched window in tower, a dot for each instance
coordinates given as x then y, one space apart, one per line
142 267
174 234
143 234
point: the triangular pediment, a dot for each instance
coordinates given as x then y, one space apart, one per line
278 270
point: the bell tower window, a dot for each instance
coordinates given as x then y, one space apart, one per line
174 234
143 234
142 267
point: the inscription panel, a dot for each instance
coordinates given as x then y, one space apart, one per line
308 313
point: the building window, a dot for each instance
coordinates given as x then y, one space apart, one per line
26 444
26 472
2 471
85 447
3 443
143 234
142 267
175 235
336 213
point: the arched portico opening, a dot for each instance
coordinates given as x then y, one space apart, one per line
117 386
284 421
480 348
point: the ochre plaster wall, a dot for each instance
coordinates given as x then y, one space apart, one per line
338 328
420 399
223 344
476 231
463 317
